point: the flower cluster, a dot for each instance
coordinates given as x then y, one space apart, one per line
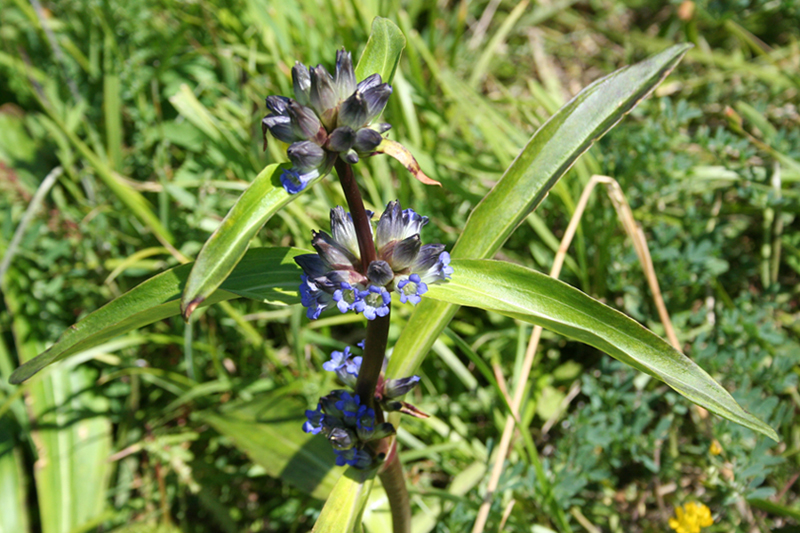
347 423
335 276
329 117
691 518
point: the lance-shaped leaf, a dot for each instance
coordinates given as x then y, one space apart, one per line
548 155
345 505
265 274
382 53
268 430
228 244
534 297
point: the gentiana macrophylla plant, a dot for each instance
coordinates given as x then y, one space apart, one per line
366 267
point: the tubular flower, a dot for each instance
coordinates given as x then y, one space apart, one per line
335 276
329 117
691 518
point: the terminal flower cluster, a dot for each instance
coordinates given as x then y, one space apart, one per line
329 117
335 276
347 422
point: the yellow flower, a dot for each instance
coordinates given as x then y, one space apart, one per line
715 448
691 518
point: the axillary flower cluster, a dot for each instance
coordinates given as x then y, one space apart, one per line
347 422
335 275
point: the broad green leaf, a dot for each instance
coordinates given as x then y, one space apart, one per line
265 274
534 297
345 505
268 430
382 53
228 244
548 155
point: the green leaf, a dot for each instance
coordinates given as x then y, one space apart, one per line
72 435
269 431
227 245
265 274
14 517
534 297
545 159
345 505
382 53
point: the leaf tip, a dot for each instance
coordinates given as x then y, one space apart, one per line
18 376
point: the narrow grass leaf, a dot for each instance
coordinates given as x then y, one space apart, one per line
544 301
268 430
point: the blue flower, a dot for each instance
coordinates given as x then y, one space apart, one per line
353 457
294 181
373 302
314 423
335 275
345 366
411 289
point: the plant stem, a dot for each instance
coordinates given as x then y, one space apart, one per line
394 483
372 360
360 219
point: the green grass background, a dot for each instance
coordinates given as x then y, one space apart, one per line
151 111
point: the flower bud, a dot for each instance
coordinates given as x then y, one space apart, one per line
306 155
376 99
380 273
345 75
301 80
323 94
341 139
353 111
367 140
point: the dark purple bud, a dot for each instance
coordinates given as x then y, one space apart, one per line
311 264
376 99
351 157
335 256
280 126
323 94
277 104
301 80
428 256
405 252
353 111
328 404
341 438
345 76
341 139
304 121
306 155
394 388
368 83
380 273
367 140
